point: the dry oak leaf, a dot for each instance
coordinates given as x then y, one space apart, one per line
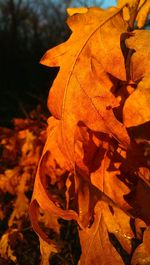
9 180
118 224
41 197
136 109
20 210
95 242
50 221
5 249
30 149
110 169
112 183
95 165
140 59
141 255
84 95
142 10
90 148
46 250
138 103
139 228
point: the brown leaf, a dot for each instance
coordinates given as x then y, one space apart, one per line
139 43
5 245
95 242
41 196
109 180
142 198
90 171
118 224
142 253
138 103
50 221
46 250
142 12
139 227
86 95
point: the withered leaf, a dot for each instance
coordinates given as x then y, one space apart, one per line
86 95
142 200
46 250
142 253
95 241
109 182
140 60
138 103
142 10
90 169
41 195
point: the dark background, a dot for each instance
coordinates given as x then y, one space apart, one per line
27 29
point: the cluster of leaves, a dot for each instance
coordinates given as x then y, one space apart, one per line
94 167
20 149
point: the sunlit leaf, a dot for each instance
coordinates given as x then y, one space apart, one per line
75 91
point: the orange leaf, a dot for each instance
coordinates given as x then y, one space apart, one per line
142 253
95 242
86 95
92 166
137 104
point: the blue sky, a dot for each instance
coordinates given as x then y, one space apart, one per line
107 3
101 3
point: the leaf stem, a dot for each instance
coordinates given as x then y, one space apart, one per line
133 14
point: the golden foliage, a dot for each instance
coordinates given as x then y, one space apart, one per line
95 164
20 152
